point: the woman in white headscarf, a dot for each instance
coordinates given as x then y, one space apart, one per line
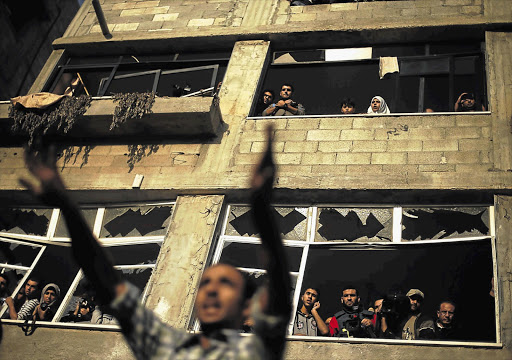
378 106
47 305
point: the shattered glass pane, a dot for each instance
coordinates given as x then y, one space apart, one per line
18 254
249 256
136 221
292 222
134 254
354 224
62 230
444 223
25 221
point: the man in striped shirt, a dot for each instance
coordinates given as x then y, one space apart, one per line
26 301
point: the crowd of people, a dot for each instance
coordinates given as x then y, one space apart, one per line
31 304
285 105
394 316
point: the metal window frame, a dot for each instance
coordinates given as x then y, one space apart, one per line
51 239
339 245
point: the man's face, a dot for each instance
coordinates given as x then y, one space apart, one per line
49 296
286 92
219 299
347 109
415 301
349 297
375 104
310 297
468 103
445 314
267 98
3 285
31 288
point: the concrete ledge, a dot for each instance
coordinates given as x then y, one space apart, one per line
171 117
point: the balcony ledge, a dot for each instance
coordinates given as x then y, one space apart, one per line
171 117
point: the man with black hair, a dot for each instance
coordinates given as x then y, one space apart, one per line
266 99
352 320
467 102
307 320
24 303
285 106
221 304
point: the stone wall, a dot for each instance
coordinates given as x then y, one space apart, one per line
267 16
354 145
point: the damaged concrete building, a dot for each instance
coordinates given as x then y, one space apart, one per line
418 198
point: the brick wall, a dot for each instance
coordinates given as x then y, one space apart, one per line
412 144
155 15
381 11
190 15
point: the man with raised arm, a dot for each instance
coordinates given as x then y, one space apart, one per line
307 320
221 304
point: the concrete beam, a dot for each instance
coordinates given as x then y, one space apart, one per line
171 117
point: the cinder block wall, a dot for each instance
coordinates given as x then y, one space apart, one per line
364 153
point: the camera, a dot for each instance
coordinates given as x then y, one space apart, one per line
44 306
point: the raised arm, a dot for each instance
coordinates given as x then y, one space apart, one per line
87 252
275 257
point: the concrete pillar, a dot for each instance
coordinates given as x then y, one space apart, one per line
182 259
243 75
503 211
54 59
499 64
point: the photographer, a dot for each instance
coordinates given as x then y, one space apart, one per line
285 106
352 320
83 312
47 305
414 325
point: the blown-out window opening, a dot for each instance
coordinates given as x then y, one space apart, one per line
446 251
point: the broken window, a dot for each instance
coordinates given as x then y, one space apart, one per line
62 231
345 224
372 248
25 221
167 75
135 221
291 222
441 223
139 231
430 75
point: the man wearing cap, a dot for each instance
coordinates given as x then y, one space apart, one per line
415 325
466 102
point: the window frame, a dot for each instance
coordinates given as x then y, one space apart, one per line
51 239
395 77
395 241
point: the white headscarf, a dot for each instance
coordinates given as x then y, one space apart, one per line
57 292
383 106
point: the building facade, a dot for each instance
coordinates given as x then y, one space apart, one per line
410 199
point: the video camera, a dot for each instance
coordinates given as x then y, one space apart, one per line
353 328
